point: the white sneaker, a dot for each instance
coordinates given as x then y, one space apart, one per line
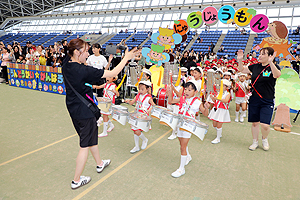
110 128
178 173
241 118
83 180
265 144
134 150
102 134
236 119
144 144
254 145
105 164
172 137
99 122
188 159
216 141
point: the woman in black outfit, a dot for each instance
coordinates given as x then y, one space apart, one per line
82 117
261 103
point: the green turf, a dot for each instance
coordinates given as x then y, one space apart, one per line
30 120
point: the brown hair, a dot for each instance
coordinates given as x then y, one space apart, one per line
281 29
76 44
269 49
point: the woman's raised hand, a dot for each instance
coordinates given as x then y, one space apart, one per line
131 54
240 54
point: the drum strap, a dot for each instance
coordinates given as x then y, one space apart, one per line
140 103
183 101
106 94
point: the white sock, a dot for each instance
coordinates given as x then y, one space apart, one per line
142 136
237 114
105 125
174 132
219 133
136 141
241 109
215 127
110 123
182 162
187 151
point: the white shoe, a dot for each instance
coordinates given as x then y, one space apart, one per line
99 122
215 141
102 134
254 145
105 164
265 144
110 128
83 180
244 115
135 149
144 144
241 118
188 159
236 119
178 173
172 137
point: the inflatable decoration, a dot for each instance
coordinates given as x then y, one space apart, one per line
277 41
288 89
155 55
167 38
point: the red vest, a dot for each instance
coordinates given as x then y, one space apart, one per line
220 104
241 91
182 102
105 93
140 103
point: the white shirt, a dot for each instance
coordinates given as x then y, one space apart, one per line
194 108
145 104
98 62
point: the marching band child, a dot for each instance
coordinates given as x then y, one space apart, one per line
144 103
192 71
108 92
176 93
183 75
240 89
188 106
220 113
148 75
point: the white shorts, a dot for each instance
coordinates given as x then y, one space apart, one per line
105 113
183 134
239 100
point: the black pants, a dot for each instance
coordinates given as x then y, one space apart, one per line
4 72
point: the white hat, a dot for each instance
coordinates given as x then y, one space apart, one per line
219 70
192 68
226 82
227 73
242 74
183 69
147 71
148 83
196 83
201 70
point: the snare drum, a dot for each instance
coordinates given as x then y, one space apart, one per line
140 121
162 97
170 119
157 110
119 107
104 104
120 116
193 126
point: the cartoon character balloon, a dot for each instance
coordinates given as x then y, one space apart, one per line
155 55
167 38
277 41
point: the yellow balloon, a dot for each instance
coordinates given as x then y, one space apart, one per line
242 17
156 77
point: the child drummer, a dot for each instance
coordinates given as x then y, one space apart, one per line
176 93
108 92
144 103
189 105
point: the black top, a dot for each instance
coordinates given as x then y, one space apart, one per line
79 74
265 84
